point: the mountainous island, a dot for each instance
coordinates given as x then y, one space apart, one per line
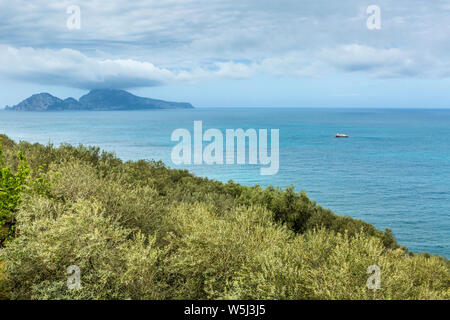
95 100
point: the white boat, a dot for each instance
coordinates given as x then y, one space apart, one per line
341 135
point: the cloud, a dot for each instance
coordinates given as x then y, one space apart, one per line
148 42
71 68
391 62
234 70
385 63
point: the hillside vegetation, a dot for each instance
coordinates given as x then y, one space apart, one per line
138 230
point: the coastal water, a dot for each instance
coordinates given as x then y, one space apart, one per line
394 170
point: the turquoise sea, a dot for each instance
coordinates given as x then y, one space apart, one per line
394 170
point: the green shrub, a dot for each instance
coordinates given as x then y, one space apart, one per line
207 250
11 187
115 263
138 230
324 265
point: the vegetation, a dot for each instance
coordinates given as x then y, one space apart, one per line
138 230
11 186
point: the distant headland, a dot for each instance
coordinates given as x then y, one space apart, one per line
96 100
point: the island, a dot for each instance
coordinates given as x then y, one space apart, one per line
95 100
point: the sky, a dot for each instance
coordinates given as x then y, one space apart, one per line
230 53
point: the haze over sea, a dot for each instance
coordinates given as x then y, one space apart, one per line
394 170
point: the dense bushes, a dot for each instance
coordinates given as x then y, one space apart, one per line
11 186
109 255
141 231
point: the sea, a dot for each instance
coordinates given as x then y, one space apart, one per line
393 171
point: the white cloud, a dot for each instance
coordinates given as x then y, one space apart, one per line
68 67
71 68
376 62
234 70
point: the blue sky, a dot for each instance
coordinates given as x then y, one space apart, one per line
286 53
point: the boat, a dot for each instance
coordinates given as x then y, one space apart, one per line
341 135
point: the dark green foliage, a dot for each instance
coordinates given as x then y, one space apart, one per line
11 187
